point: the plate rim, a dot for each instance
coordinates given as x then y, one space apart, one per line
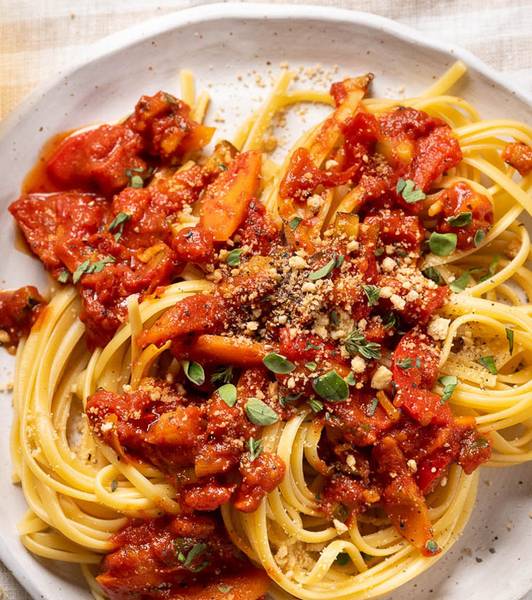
124 38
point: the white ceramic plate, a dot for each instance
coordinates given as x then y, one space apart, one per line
218 43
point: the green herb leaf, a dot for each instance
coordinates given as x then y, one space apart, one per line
227 393
100 264
315 405
284 400
510 338
259 413
194 372
222 375
293 224
351 379
407 189
492 269
460 220
64 276
479 237
488 362
81 270
331 386
224 588
119 221
373 294
334 318
378 251
433 274
432 546
311 346
233 258
372 407
404 363
136 181
460 284
342 559
311 365
339 261
357 343
255 448
449 382
278 364
196 551
390 321
480 442
442 244
324 271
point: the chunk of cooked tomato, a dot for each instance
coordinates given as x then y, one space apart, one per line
57 225
259 477
519 156
461 200
165 125
186 556
97 159
399 229
19 309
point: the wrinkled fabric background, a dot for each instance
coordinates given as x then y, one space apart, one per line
40 37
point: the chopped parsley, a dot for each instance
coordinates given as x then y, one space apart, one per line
372 407
449 383
311 365
460 220
492 269
331 387
404 363
222 375
135 178
294 223
488 362
315 405
227 393
510 338
433 274
442 244
357 343
479 237
390 321
194 372
117 224
259 413
407 189
87 267
255 448
336 261
277 363
284 400
351 379
342 559
64 276
233 258
195 552
460 283
372 293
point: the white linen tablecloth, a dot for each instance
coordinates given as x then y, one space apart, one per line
39 37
